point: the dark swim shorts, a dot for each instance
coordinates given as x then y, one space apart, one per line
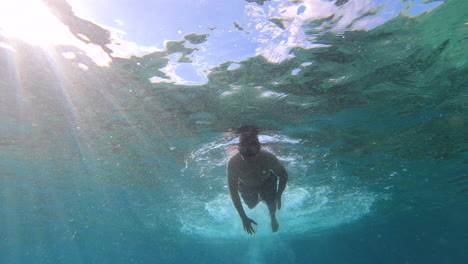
267 191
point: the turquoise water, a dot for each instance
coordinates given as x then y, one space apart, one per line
107 157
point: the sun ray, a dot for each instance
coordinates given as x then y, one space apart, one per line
31 21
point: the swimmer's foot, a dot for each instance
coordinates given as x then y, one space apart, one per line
274 224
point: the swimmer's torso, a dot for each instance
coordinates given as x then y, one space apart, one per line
256 171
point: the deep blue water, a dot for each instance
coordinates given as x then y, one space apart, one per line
98 164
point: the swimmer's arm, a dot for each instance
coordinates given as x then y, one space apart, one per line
233 182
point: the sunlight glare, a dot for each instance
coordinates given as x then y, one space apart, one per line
31 21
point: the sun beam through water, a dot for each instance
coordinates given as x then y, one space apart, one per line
31 21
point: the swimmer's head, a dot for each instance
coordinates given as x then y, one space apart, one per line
249 145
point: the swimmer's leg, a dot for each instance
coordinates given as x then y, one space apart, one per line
272 208
251 199
269 196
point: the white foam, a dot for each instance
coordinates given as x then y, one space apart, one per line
305 209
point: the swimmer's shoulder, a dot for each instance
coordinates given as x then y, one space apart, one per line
234 160
268 155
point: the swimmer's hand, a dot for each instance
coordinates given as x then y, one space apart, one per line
247 222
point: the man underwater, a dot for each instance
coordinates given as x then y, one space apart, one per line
254 174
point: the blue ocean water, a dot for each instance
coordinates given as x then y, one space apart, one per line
109 156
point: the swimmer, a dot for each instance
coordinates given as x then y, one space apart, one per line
254 173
